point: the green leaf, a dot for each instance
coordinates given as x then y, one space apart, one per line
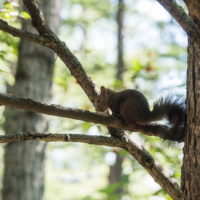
8 5
118 83
25 15
137 66
86 126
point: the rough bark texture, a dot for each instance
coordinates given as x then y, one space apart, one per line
191 162
24 162
194 8
64 137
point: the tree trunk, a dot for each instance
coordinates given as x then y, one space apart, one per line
115 174
191 161
120 46
24 162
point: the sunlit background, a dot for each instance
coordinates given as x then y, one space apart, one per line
155 60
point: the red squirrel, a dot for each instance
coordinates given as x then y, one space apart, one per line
132 107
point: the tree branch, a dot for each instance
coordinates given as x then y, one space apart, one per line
97 118
21 33
144 158
153 168
62 50
89 139
184 20
49 39
56 110
38 19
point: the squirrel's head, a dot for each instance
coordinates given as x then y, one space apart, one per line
101 102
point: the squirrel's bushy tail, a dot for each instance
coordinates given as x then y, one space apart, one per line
169 107
173 109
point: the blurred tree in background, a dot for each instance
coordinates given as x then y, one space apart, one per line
23 176
154 54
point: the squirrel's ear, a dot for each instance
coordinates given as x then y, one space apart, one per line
103 89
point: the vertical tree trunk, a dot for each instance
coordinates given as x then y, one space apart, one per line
24 162
191 162
115 174
120 46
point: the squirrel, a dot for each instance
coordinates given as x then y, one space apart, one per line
132 107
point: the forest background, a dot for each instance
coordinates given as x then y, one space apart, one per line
155 63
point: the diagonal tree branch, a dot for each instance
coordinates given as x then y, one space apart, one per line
62 50
184 20
38 19
128 144
153 168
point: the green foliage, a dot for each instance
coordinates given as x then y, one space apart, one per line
8 54
9 11
2 54
86 126
24 15
11 45
147 71
116 190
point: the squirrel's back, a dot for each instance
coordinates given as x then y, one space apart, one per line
131 105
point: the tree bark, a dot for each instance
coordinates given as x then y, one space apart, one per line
24 162
191 161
